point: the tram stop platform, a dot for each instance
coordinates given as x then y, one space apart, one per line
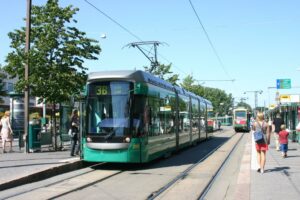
17 167
281 178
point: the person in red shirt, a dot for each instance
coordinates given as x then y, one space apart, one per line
283 140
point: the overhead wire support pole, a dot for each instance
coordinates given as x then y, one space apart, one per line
154 63
255 96
26 92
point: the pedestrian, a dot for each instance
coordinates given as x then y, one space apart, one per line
283 140
270 122
252 122
277 122
6 131
261 148
74 124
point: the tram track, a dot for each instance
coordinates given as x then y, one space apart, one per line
217 174
82 174
163 192
180 176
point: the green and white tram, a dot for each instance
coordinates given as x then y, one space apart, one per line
135 117
241 119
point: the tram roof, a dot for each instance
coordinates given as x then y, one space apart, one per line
240 108
140 76
182 91
134 75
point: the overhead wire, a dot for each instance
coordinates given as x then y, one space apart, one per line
110 18
132 34
209 40
135 36
213 47
149 51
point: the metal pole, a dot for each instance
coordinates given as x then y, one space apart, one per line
255 99
255 96
26 94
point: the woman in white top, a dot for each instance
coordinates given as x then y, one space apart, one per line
6 131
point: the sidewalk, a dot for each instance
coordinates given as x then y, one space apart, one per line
17 167
281 179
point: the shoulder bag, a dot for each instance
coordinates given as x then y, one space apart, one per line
258 135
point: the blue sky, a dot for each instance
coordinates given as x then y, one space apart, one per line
257 41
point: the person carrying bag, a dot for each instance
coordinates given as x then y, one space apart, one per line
261 136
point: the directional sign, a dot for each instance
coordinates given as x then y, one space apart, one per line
283 83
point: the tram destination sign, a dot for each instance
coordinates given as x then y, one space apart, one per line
283 83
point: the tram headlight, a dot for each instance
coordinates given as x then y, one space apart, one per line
127 139
88 139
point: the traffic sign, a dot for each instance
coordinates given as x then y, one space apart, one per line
283 83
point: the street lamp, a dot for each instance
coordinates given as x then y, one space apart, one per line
221 108
103 36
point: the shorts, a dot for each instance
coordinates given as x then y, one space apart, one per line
284 147
261 147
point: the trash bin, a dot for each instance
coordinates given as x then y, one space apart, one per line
34 139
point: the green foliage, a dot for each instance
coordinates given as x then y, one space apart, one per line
188 82
243 104
57 54
164 72
221 101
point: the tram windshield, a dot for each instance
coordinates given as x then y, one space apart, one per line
108 109
210 114
240 114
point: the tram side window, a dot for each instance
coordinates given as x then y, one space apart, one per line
171 116
184 114
202 117
195 116
166 114
155 124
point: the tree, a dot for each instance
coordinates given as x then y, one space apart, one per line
188 83
163 72
221 101
243 104
56 57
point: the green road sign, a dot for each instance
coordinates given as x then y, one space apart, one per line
283 83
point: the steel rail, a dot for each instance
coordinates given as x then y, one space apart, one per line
214 178
181 175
